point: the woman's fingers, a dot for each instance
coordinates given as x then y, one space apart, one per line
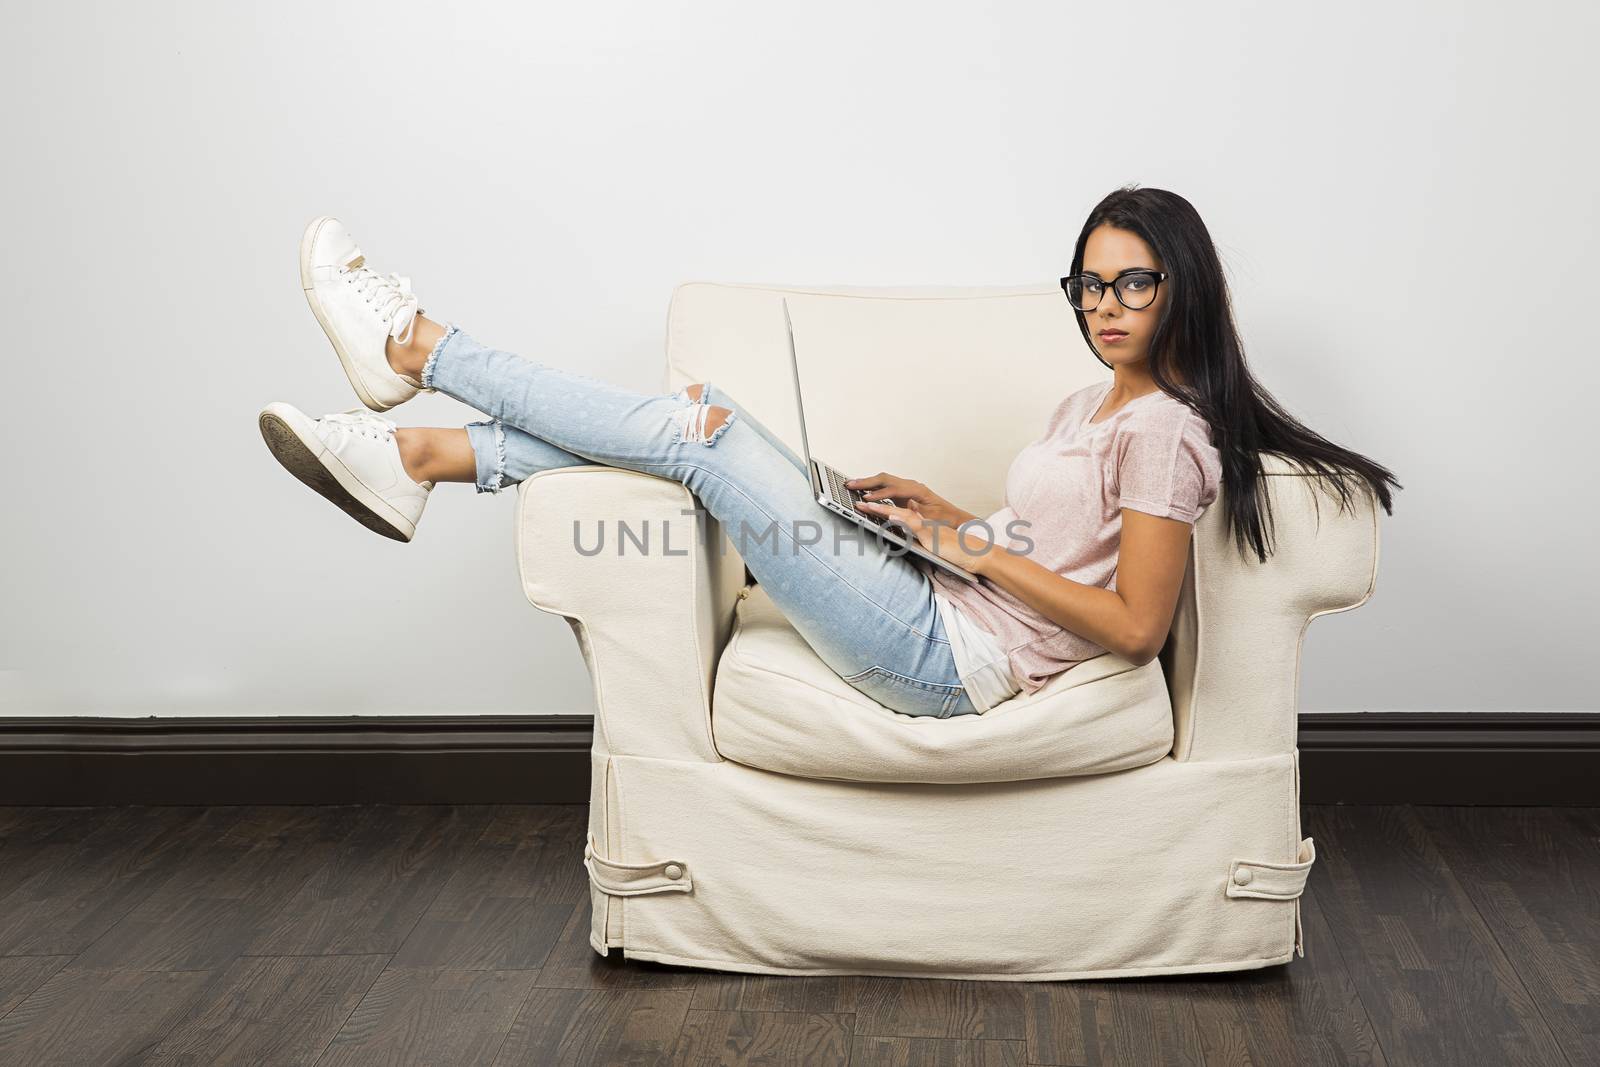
887 484
900 516
883 487
889 487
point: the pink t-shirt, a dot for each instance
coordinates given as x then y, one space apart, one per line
1153 454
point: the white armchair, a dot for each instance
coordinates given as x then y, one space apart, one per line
749 811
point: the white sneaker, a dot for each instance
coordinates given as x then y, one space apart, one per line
359 310
352 459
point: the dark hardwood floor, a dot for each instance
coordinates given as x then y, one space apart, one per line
458 935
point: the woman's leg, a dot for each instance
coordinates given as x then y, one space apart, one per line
867 610
494 456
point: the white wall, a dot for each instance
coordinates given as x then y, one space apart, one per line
546 174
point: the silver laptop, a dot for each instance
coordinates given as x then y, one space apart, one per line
831 492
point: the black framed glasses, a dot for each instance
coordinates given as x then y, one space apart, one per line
1135 289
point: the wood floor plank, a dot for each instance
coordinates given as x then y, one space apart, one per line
932 1007
868 1051
220 899
371 891
264 1009
32 839
1063 1020
25 821
1168 1020
431 1015
580 1027
1534 874
510 897
89 1016
769 1038
1435 983
829 994
21 975
77 885
17 820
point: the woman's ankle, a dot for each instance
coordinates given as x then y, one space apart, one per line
409 358
437 454
416 452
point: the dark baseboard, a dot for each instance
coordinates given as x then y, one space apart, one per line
489 759
1435 757
1346 757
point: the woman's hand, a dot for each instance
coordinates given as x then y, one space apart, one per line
967 549
889 488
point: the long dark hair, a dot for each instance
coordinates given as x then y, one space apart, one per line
1196 357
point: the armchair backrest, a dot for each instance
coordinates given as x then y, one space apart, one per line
983 368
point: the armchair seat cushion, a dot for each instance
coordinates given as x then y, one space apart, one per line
777 706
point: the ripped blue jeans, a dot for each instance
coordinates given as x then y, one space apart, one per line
867 611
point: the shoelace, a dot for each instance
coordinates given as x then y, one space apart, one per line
390 294
363 422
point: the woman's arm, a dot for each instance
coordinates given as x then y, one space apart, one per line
1131 620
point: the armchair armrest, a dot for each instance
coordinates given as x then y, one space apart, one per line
617 554
1233 656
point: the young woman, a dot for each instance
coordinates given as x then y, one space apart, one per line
1099 510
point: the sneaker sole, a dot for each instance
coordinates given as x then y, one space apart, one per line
303 456
307 240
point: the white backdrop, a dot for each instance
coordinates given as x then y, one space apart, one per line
1404 199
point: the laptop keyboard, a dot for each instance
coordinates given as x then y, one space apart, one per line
846 497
